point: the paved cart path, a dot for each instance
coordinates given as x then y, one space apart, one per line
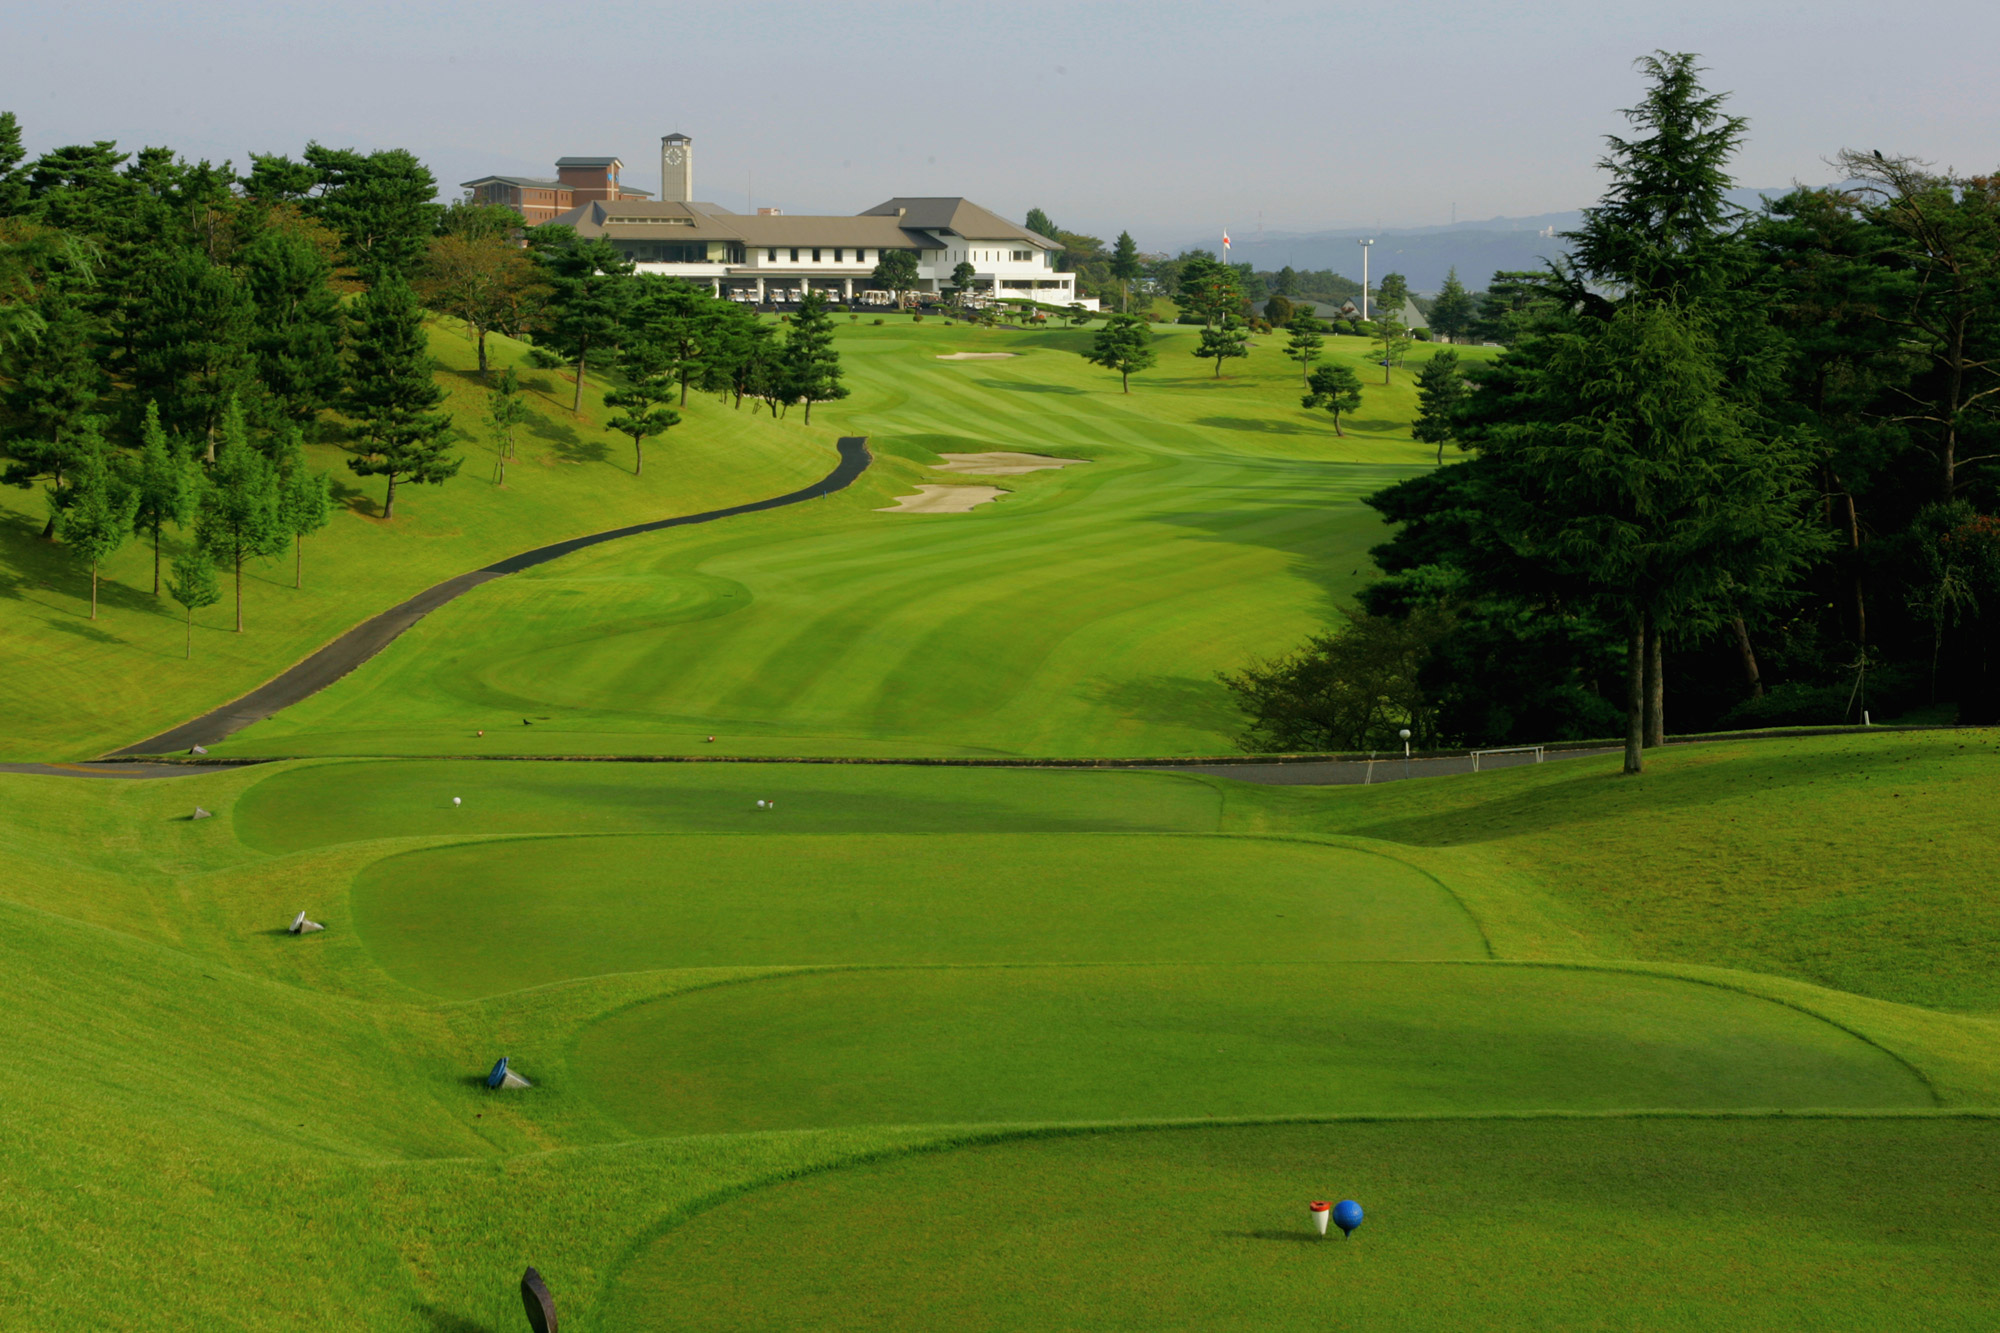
370 637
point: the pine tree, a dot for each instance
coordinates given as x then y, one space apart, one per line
1126 268
1124 344
642 403
1440 394
164 485
1453 312
811 366
236 517
391 394
1335 388
1306 343
13 180
1222 343
584 315
193 586
296 327
305 500
56 384
98 517
191 322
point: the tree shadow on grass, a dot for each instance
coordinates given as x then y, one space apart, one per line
1013 386
1172 701
569 445
1293 1237
1258 425
440 1320
83 629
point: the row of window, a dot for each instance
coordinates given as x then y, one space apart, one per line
839 254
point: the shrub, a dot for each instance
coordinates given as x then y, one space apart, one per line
1421 335
880 320
917 318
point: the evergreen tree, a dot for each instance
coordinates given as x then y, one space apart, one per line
1661 231
1306 343
193 586
13 181
236 515
962 278
190 327
305 501
642 403
392 396
678 323
56 383
383 204
164 485
812 367
98 518
1038 222
1124 344
296 325
583 315
1391 297
506 411
1453 311
1222 343
1127 269
1392 338
1510 302
1287 282
1207 290
1335 388
1440 395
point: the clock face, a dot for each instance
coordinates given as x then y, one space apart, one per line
675 156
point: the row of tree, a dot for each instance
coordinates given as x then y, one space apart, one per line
1748 452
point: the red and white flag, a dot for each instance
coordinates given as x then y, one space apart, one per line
1225 240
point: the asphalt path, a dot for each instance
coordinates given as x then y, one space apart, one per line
371 636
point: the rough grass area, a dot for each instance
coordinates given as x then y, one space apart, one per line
1087 614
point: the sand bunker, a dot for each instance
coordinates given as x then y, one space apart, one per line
942 500
976 356
1000 463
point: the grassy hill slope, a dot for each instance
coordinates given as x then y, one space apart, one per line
71 687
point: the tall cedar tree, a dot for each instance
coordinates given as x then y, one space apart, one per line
305 500
193 586
1336 389
297 325
98 518
392 396
56 384
13 180
164 485
583 315
1126 268
506 412
483 280
1634 480
1453 311
191 327
1307 342
236 517
641 404
1124 344
1224 342
1440 396
811 366
1661 232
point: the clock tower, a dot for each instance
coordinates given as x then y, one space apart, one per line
676 169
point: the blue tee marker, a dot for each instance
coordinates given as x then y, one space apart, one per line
499 1074
1347 1216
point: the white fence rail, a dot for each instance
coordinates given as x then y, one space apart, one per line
1539 751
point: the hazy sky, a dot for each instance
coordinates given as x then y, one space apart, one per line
1170 119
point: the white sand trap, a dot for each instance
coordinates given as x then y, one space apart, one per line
976 356
1000 463
942 500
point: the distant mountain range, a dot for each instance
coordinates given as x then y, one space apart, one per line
1423 255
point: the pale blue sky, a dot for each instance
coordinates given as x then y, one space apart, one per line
1171 119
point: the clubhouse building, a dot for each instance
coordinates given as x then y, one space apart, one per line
772 257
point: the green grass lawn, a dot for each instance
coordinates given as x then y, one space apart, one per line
1632 1225
1085 613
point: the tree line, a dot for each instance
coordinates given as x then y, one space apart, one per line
1748 452
172 336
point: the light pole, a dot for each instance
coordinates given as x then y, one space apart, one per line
1405 734
1364 277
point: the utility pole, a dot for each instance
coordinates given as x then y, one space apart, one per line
1364 277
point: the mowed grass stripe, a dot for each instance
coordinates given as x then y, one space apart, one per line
1031 1044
